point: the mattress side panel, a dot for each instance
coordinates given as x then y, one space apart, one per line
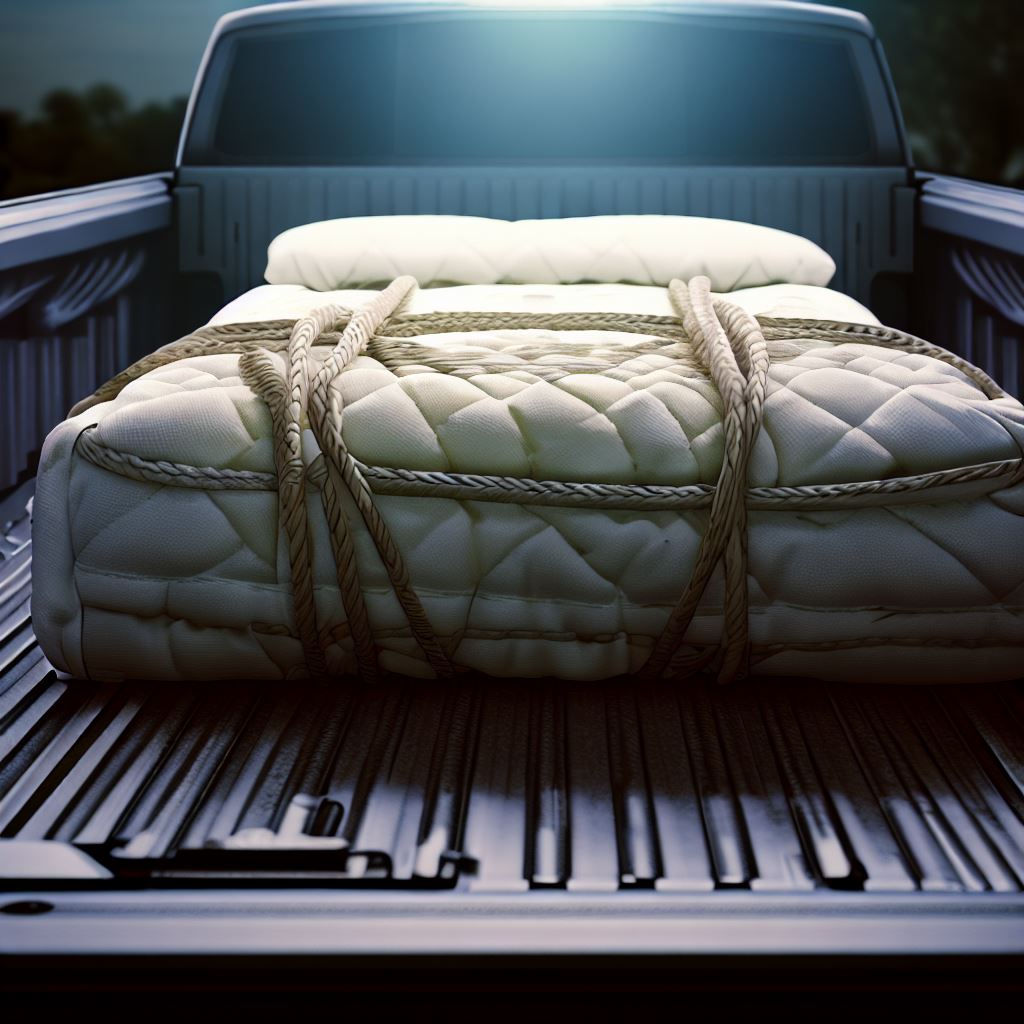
56 608
179 583
585 593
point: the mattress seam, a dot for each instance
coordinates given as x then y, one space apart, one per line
704 610
565 636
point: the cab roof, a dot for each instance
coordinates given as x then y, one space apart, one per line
810 14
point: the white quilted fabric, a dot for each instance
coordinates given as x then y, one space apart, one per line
646 249
135 578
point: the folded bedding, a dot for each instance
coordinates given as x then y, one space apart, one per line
575 448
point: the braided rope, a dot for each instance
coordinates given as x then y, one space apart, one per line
445 322
273 336
838 332
326 416
289 400
742 383
285 398
750 351
510 490
730 345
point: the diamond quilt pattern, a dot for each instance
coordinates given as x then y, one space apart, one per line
834 413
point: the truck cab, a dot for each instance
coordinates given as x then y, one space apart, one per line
608 831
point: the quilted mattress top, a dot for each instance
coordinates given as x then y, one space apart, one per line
582 405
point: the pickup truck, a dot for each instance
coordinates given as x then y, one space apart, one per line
544 836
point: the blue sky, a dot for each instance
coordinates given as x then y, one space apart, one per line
149 48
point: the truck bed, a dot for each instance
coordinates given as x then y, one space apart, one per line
639 819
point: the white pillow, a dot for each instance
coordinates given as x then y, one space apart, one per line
650 249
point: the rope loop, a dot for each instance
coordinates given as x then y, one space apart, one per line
297 402
730 344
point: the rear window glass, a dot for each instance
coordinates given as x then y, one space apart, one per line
529 89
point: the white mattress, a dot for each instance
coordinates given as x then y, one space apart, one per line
141 577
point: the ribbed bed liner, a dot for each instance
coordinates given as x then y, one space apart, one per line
506 786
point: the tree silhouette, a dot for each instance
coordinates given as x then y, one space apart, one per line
86 137
958 67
